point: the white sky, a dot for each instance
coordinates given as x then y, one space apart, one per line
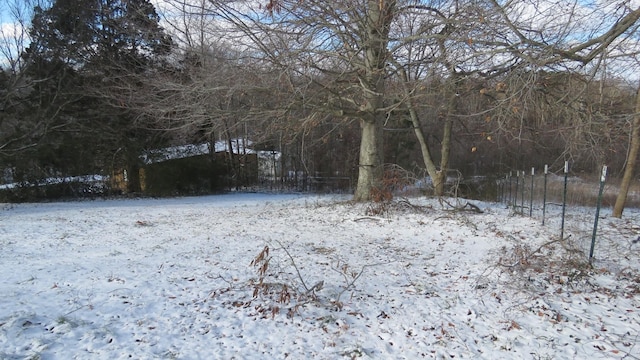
11 34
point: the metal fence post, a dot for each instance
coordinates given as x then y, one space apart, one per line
522 192
510 180
544 193
504 188
515 194
599 204
564 198
533 172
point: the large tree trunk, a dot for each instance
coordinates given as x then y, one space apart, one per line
445 147
376 33
630 165
371 171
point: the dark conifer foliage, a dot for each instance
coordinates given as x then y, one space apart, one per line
82 53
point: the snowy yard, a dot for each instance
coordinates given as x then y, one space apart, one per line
171 279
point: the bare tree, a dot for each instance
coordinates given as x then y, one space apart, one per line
632 158
610 29
492 40
441 42
15 135
321 60
334 57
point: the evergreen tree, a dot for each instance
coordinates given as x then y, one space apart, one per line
82 52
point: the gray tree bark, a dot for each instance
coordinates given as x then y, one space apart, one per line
376 30
630 165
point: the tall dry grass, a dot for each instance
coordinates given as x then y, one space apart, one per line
581 191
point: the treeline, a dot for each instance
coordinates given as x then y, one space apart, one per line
340 90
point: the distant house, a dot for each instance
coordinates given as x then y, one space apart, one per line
178 170
201 168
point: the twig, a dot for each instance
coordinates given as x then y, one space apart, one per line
535 251
351 282
295 266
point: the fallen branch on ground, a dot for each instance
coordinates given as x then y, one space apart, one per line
466 207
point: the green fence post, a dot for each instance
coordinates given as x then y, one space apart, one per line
515 194
522 192
564 198
533 172
510 186
504 188
544 193
599 204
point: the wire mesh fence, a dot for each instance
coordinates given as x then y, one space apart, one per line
571 205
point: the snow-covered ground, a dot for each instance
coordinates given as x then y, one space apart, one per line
180 279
